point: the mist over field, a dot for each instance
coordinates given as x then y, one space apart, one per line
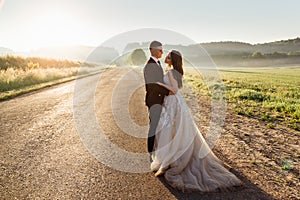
224 54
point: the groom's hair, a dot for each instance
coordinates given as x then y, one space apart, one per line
155 44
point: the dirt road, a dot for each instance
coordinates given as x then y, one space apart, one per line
43 155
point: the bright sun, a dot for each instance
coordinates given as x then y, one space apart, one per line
55 26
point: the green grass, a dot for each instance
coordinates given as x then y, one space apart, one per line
270 94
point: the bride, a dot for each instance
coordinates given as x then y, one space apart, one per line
181 153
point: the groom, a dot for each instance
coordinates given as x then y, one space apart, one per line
153 72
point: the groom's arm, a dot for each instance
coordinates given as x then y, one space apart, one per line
151 80
172 90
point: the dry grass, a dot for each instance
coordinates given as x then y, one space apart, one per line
12 79
21 75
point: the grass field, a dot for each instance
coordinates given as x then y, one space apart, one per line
20 75
12 79
271 95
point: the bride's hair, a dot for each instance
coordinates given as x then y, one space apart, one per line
176 58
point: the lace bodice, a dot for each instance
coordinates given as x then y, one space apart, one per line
166 78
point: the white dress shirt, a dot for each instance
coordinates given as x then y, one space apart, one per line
156 60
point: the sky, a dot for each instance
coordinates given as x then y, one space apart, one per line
31 24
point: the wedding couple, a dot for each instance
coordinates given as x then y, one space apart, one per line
177 149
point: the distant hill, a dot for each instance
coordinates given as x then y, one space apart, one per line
230 47
101 55
231 53
283 46
224 53
227 48
5 51
63 52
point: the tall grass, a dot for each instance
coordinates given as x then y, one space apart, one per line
271 95
17 62
12 79
18 72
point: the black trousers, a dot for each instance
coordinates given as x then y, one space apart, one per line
154 115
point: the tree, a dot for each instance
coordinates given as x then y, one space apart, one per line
137 57
257 55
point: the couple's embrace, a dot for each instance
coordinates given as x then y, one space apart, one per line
177 149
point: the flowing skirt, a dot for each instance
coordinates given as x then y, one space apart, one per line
182 154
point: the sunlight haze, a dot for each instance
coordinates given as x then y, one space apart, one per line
32 24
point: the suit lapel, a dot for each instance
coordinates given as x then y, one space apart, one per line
153 61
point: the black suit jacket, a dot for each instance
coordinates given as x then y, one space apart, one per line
155 93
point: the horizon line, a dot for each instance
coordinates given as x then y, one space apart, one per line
95 46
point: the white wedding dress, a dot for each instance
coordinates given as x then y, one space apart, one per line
182 154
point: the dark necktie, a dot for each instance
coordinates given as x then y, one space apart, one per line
158 63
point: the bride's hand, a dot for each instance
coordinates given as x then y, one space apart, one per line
171 92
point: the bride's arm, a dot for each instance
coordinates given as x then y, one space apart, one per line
174 84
